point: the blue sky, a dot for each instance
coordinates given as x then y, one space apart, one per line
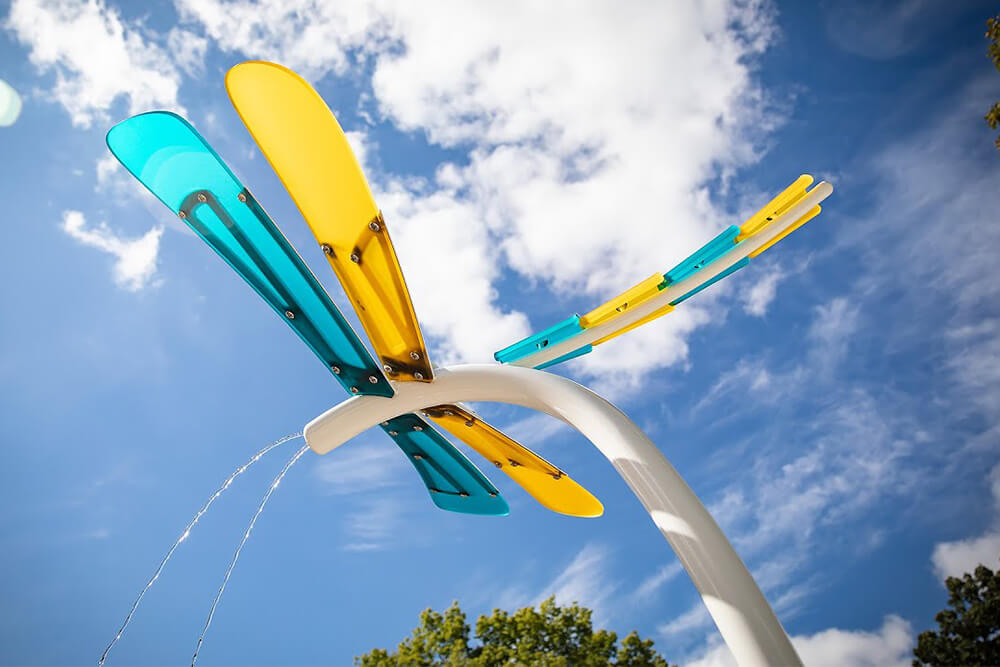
835 405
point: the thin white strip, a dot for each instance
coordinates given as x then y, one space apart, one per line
677 290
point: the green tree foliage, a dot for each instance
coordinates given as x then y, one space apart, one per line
551 636
993 34
969 630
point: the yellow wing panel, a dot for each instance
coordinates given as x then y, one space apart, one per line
649 318
630 298
308 150
547 484
810 214
765 216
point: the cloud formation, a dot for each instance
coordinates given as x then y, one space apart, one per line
10 104
953 559
135 259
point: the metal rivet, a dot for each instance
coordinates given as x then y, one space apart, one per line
417 375
415 356
433 490
557 475
418 427
335 369
373 379
289 314
202 198
418 457
182 215
326 248
373 226
513 463
385 423
242 197
356 258
449 413
493 494
463 494
498 464
469 422
393 433
388 369
355 390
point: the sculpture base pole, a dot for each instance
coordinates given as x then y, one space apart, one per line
744 618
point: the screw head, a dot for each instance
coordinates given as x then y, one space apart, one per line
493 494
433 490
469 422
418 457
356 258
463 494
415 356
498 464
202 198
242 197
326 248
513 463
182 215
557 475
289 314
335 369
394 433
373 379
355 390
449 413
384 424
388 369
417 375
418 427
374 226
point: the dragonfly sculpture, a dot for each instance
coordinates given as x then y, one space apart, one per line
308 150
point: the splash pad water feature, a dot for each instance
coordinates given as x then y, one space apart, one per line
308 150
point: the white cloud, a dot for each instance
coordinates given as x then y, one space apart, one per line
590 140
694 619
653 583
953 559
135 259
891 645
758 296
96 56
359 468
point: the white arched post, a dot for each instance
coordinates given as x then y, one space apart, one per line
744 618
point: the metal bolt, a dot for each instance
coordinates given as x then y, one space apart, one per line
182 215
493 494
385 424
242 197
557 475
356 258
355 390
393 433
469 422
373 379
373 226
335 369
415 356
326 248
463 494
498 464
289 314
202 198
418 457
388 369
418 427
433 490
513 463
417 375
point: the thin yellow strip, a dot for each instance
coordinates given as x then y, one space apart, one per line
628 299
649 318
549 485
765 216
812 213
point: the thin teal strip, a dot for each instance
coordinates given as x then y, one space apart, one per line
541 340
732 269
578 352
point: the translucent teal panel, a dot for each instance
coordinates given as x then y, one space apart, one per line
539 341
578 352
702 257
455 483
170 158
732 269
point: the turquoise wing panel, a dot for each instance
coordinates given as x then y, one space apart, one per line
455 483
539 341
732 269
703 256
167 155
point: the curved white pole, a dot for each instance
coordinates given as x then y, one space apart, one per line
740 611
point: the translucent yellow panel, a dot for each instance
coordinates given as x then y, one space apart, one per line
547 484
649 318
630 298
765 216
812 213
308 150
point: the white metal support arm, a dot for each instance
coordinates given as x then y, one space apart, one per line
744 618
